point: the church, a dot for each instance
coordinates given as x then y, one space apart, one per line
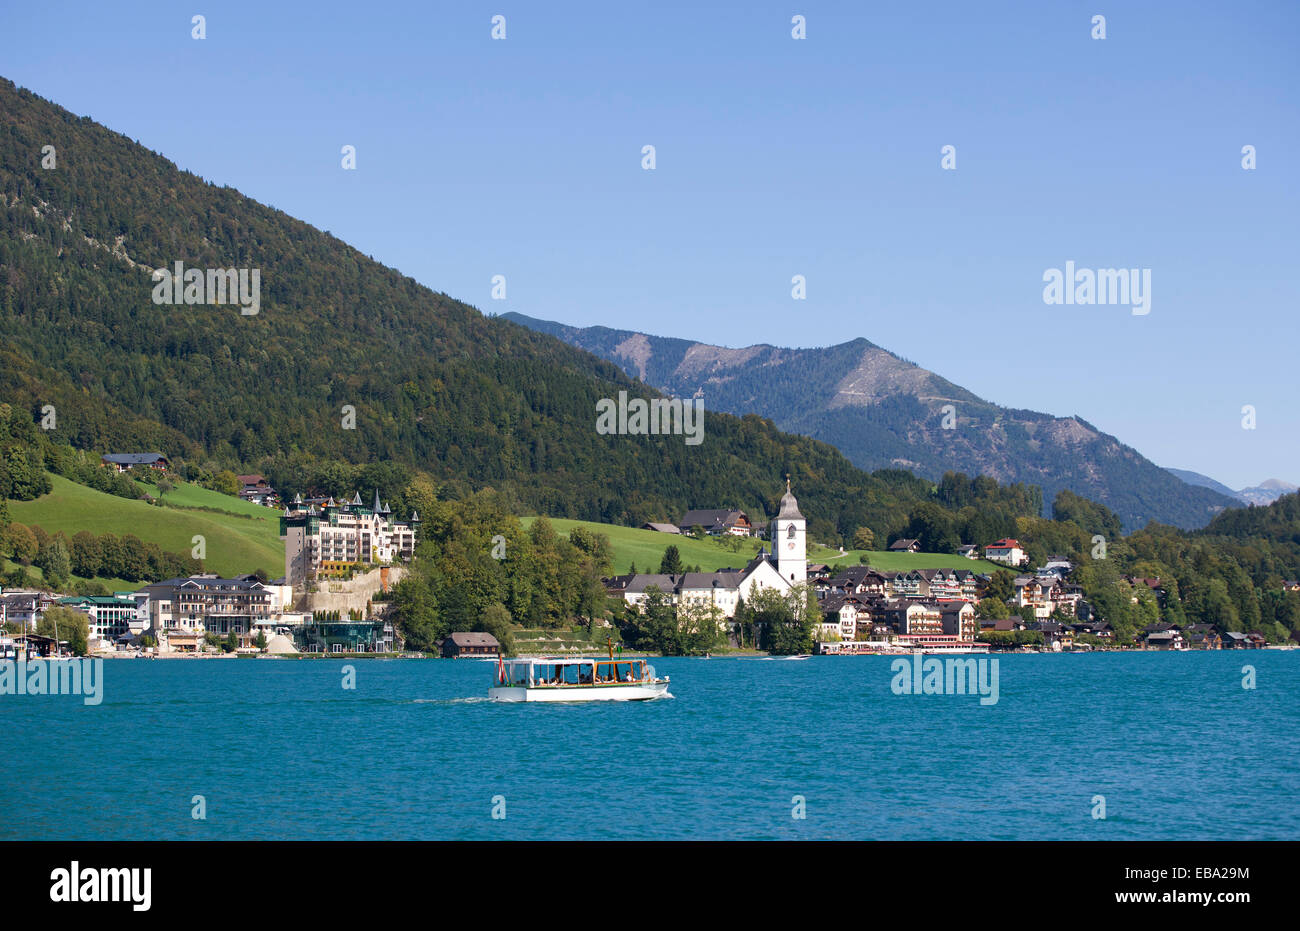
783 568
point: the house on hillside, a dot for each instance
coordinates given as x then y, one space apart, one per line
905 546
256 489
1006 551
969 550
717 522
661 528
124 461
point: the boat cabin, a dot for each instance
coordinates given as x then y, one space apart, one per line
545 672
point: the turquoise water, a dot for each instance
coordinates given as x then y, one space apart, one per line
280 750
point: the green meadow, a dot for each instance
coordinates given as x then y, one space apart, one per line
645 548
240 537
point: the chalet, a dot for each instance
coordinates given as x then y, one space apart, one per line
1002 624
1006 551
905 546
1235 641
1059 562
470 644
1035 593
1065 599
840 616
1099 629
970 551
1291 586
1165 640
717 522
861 580
257 489
124 461
661 528
1056 636
24 608
1203 637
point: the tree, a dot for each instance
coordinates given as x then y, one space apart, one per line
671 564
86 554
54 561
20 543
1002 585
785 623
496 620
67 625
260 640
863 539
654 627
164 485
226 482
994 608
415 611
699 627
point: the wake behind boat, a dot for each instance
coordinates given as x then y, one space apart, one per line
549 678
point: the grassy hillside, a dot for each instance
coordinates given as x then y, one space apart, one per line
234 544
899 562
195 496
646 547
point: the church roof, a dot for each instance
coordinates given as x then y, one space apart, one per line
789 506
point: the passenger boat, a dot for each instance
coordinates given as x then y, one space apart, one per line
551 678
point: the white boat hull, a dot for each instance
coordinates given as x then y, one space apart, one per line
632 691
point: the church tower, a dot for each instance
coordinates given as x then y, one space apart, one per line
789 540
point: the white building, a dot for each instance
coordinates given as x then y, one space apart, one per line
1007 551
338 535
785 568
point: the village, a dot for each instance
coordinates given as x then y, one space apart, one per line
869 610
343 557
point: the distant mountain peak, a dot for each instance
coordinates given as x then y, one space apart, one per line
883 411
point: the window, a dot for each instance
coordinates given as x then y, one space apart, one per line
790 533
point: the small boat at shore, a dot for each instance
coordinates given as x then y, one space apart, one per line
551 678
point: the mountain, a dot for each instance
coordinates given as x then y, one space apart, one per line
1265 492
1204 481
346 361
885 412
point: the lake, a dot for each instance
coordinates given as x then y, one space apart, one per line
280 750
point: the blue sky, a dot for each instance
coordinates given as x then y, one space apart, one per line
777 157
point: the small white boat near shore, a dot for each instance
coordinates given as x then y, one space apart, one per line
551 678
